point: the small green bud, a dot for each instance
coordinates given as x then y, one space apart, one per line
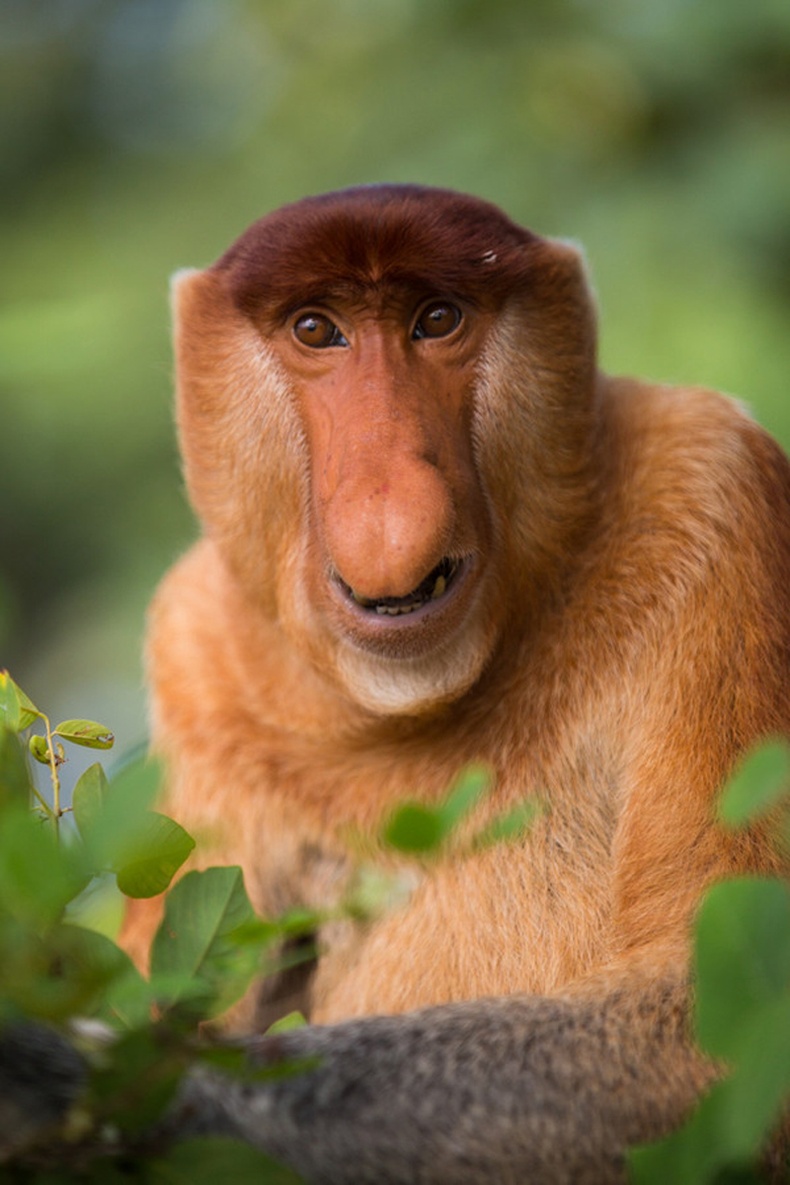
38 748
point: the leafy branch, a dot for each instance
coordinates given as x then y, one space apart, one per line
18 712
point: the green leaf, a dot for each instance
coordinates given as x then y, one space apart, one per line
414 828
32 983
138 1081
14 778
762 780
123 995
197 935
510 826
85 732
727 1132
742 958
298 922
100 906
147 861
753 1101
89 799
464 797
208 1159
10 707
124 808
420 829
287 1023
691 1155
743 1012
38 877
94 963
128 1002
68 971
17 707
29 710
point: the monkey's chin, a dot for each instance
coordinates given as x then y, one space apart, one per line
406 664
414 686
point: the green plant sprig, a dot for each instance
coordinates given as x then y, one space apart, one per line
18 712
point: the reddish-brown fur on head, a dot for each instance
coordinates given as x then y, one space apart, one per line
372 476
376 238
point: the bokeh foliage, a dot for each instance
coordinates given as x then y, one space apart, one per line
137 136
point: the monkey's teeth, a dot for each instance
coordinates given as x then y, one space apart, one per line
395 607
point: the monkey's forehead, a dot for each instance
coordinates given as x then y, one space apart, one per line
431 241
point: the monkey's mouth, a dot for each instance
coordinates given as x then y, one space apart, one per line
434 587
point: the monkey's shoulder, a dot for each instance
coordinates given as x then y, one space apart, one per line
695 455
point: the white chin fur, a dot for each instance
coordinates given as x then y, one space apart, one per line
409 687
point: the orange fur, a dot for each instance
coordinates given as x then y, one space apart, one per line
620 637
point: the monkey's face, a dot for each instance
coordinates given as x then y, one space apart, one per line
363 406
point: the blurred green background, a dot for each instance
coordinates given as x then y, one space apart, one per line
139 136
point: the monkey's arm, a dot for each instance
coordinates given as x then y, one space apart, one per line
517 1089
508 1090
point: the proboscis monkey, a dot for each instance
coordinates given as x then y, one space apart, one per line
433 534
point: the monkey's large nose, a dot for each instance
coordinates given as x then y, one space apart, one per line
385 532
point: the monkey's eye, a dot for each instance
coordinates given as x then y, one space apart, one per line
437 320
316 330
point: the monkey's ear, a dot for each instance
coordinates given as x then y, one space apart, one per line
179 282
565 260
560 306
573 251
194 295
205 320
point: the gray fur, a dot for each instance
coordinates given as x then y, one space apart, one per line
504 1090
41 1074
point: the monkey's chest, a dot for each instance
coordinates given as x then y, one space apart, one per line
499 923
526 915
